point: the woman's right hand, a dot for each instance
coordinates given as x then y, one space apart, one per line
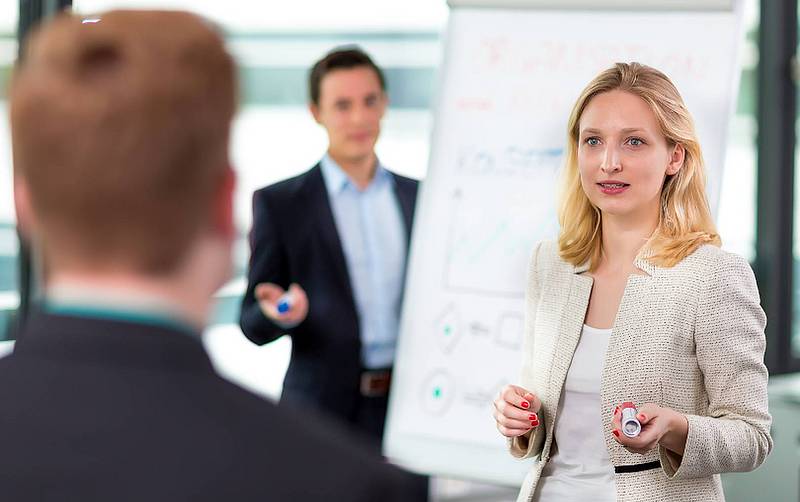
516 411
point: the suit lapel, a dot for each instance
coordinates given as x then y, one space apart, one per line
320 210
569 335
405 193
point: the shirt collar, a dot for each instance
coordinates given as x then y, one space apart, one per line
118 305
336 179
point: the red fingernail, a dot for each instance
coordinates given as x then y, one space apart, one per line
525 404
534 423
615 432
533 416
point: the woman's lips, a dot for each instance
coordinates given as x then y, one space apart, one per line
613 187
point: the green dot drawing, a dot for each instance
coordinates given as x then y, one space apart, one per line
437 392
447 330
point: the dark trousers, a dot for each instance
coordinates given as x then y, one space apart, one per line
369 418
369 421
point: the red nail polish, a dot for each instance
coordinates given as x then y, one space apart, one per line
615 432
532 417
525 404
534 423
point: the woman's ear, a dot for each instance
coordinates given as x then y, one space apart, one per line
676 159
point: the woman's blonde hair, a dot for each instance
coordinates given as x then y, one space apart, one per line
685 221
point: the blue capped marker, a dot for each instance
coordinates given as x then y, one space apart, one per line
285 303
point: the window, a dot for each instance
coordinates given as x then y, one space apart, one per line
275 43
274 136
9 245
737 203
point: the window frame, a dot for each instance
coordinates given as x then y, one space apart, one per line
776 116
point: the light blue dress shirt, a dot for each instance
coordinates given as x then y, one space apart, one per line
373 237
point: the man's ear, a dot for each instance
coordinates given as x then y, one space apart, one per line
26 220
384 102
223 217
313 108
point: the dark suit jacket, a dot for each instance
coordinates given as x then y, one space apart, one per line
294 239
100 410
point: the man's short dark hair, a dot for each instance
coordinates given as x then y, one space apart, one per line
342 58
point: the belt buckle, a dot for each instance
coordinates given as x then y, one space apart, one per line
374 383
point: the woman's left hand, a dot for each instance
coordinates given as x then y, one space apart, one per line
662 426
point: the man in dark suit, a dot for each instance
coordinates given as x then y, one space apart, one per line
334 242
122 182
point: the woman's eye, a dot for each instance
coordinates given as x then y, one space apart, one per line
635 142
592 141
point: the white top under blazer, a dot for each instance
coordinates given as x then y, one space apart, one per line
688 337
579 468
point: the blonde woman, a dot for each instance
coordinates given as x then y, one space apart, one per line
637 303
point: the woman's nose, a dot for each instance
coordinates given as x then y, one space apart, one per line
611 161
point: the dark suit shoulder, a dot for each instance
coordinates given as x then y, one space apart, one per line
285 422
290 187
184 434
310 443
405 181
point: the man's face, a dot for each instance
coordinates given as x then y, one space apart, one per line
351 106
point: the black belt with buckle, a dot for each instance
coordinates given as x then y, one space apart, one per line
375 383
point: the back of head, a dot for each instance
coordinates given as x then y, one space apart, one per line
120 133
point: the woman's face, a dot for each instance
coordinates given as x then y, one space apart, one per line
622 156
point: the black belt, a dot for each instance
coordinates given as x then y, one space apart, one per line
620 469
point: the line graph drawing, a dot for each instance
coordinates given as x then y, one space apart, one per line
488 250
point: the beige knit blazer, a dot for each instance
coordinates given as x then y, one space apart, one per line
689 337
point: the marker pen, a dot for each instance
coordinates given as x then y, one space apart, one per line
285 303
630 425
